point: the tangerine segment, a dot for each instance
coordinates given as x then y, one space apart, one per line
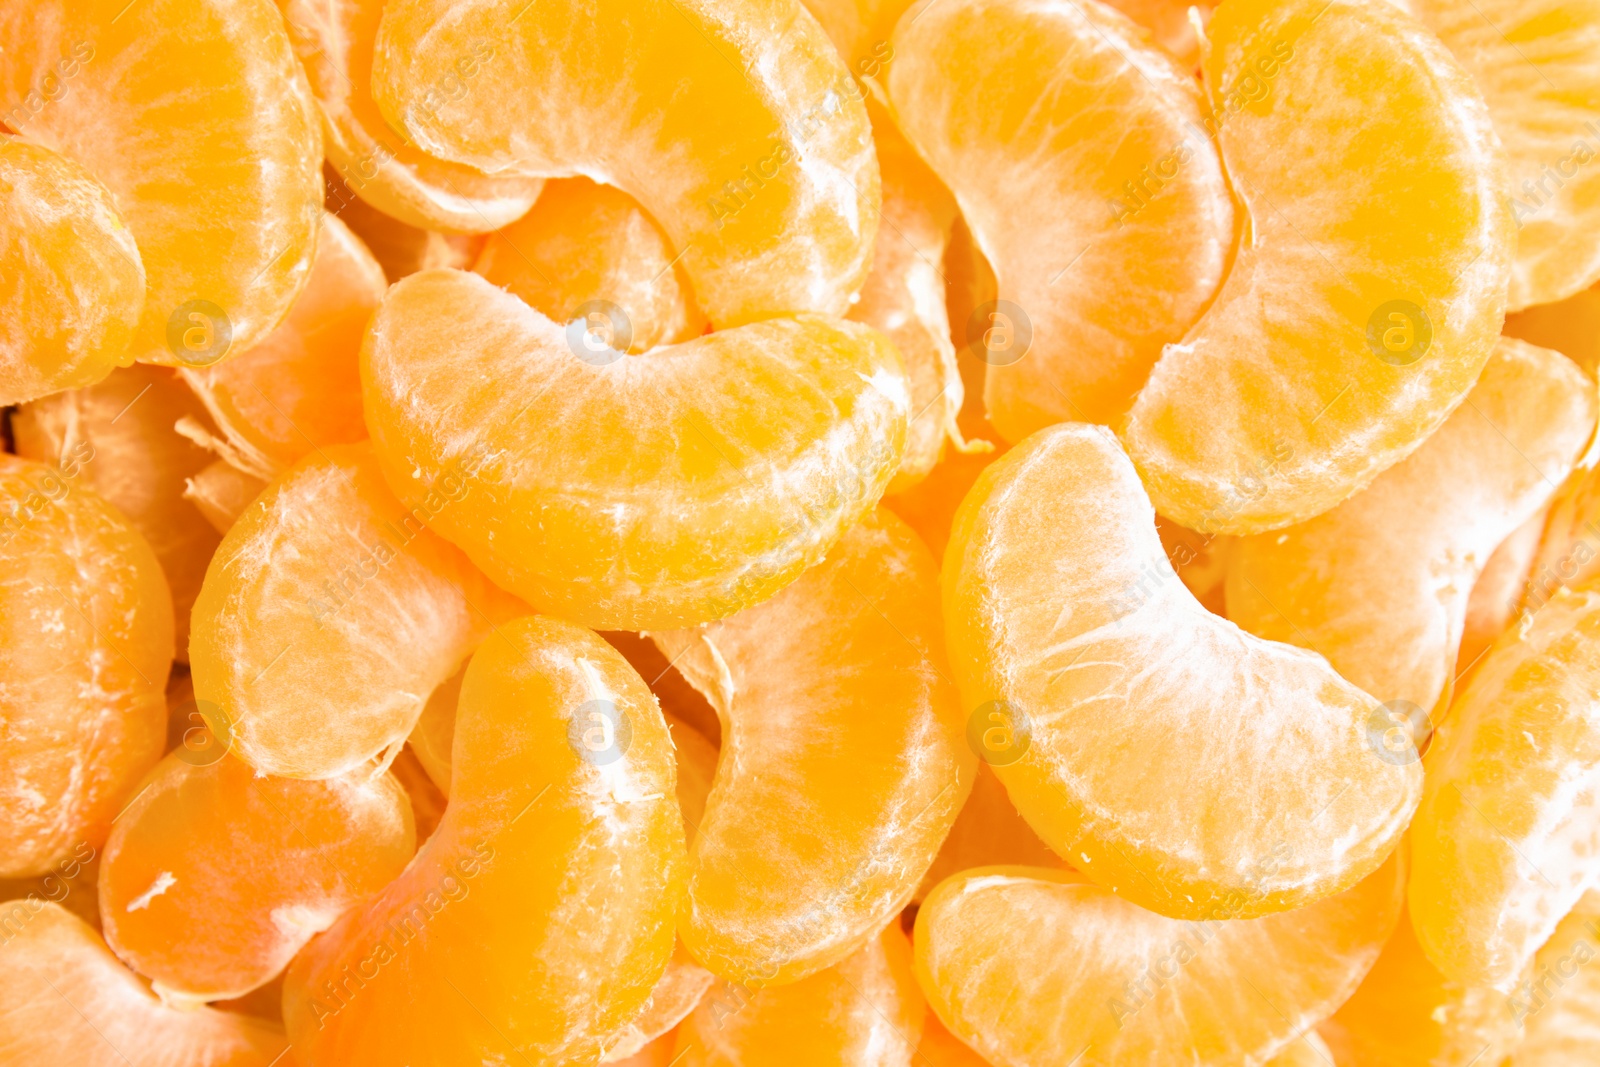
260 864
68 1000
842 767
1571 327
73 284
987 833
214 162
940 1048
1169 25
328 613
1032 966
1561 1001
540 914
401 249
759 167
710 474
1380 584
221 492
1095 681
589 252
864 1011
1506 838
1569 550
1066 108
300 388
1369 291
85 647
435 732
1537 66
334 42
1498 592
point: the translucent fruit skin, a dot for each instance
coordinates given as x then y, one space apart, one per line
85 647
1073 623
1307 376
1561 1001
759 168
1498 593
1380 584
260 864
69 1001
1042 116
1506 839
215 162
843 760
328 614
1034 967
540 914
221 492
71 282
640 493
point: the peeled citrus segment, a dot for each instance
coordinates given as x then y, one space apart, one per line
260 864
759 167
861 31
73 284
300 387
427 801
540 914
1380 584
85 647
1095 681
221 492
68 1000
1538 66
1033 966
987 833
69 883
589 253
1571 327
435 732
1506 839
864 1010
842 767
1559 1006
1369 288
682 986
1497 594
400 248
1075 150
711 474
1169 24
330 611
215 162
930 506
1201 561
334 42
117 438
940 1048
1569 550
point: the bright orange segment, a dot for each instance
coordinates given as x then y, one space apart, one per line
222 491
330 612
759 168
400 248
843 764
1066 108
1035 967
1571 327
214 161
987 833
710 474
260 864
1368 292
71 283
1497 595
1559 1006
1095 682
1169 24
85 647
539 916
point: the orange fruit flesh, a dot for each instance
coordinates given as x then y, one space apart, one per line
1067 109
987 833
1032 966
864 1009
329 612
1569 550
434 734
334 42
427 801
1368 291
1505 841
74 285
260 864
842 765
584 246
759 169
1498 592
1561 1000
1201 560
85 647
68 1000
1570 326
1095 681
221 492
712 472
70 883
940 1048
861 30
300 388
1380 584
118 436
401 249
550 875
1169 25
213 162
